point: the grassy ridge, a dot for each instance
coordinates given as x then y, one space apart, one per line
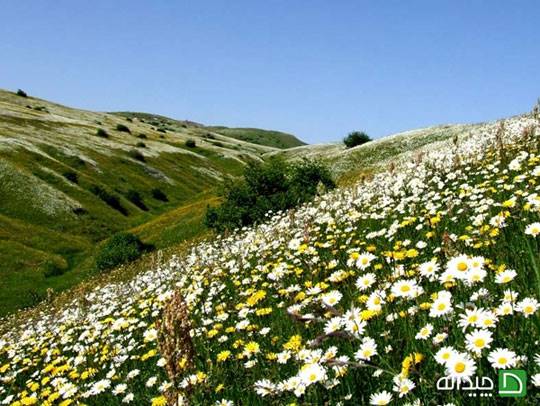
65 187
367 295
276 139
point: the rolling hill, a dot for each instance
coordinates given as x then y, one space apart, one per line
425 270
276 139
352 164
70 178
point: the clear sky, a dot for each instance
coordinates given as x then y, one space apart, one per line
316 68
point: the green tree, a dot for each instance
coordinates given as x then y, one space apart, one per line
356 138
273 185
119 249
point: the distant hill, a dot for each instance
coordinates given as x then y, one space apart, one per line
351 164
270 138
70 178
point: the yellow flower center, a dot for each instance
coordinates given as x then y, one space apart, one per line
459 367
479 342
503 361
405 288
462 267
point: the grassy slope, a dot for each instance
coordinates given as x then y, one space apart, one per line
395 336
45 218
269 138
275 139
350 165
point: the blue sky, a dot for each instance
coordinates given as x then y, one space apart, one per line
318 69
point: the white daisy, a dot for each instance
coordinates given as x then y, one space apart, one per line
502 358
477 340
533 229
380 398
459 366
505 276
527 306
365 281
424 332
331 298
364 260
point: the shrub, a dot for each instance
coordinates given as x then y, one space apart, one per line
140 145
79 211
161 130
218 144
123 128
102 133
137 155
142 136
135 197
273 185
159 195
110 199
119 249
71 176
191 143
21 93
50 268
356 138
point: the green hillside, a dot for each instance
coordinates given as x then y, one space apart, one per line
269 138
276 139
426 272
71 178
361 162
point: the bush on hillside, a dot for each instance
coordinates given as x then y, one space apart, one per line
270 186
140 145
102 133
159 195
108 198
137 155
191 143
21 93
71 176
119 249
51 268
135 197
356 138
123 128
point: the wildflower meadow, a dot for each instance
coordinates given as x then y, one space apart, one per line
367 295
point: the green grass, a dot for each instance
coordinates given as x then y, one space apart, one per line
45 218
276 139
